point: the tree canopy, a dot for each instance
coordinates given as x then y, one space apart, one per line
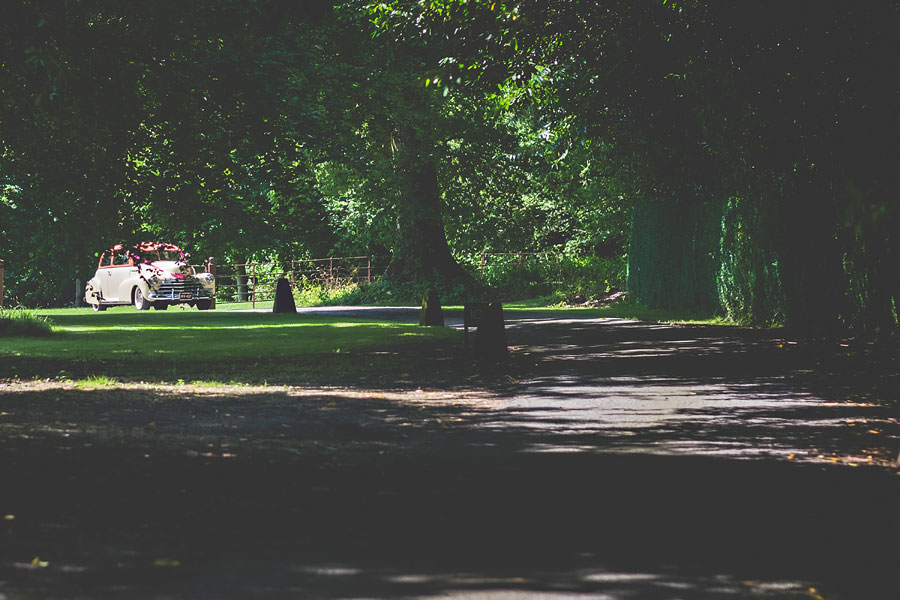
741 154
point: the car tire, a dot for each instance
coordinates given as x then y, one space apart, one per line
204 304
98 307
140 302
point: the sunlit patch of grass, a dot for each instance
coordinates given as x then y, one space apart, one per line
542 303
626 310
213 384
623 310
266 305
96 382
216 346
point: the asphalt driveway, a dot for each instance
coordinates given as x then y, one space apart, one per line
609 459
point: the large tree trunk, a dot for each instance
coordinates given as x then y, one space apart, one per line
420 251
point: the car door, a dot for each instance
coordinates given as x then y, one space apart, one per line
120 277
104 276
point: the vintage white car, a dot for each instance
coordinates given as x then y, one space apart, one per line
148 274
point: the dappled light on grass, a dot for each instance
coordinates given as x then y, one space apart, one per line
217 346
250 326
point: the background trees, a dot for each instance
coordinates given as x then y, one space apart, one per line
764 175
743 153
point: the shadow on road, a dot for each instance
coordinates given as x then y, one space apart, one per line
628 462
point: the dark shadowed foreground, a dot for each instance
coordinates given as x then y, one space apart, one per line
620 460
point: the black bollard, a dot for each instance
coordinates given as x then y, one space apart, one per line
284 297
431 313
490 340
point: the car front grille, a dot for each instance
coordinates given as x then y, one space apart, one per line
173 288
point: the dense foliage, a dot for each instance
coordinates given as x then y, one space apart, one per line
742 154
758 135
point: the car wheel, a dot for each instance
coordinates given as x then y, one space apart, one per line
98 307
204 304
160 305
140 302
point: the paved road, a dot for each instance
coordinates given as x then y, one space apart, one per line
684 459
616 385
627 460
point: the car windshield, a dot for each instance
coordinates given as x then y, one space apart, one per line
160 255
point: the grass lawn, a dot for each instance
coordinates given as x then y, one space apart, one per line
122 344
623 310
229 346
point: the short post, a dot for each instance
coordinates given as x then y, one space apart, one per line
77 293
331 271
211 269
369 270
491 336
284 297
1 282
431 313
473 313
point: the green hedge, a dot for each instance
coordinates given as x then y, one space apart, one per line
715 255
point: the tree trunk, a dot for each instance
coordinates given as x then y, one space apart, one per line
240 278
813 280
421 252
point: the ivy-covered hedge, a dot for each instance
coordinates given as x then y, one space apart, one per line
716 255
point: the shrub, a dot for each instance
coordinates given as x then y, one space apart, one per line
319 294
382 292
557 276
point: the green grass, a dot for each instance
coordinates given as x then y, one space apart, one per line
213 384
265 305
96 382
20 322
622 310
215 347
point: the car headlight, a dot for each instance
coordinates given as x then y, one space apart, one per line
153 281
207 278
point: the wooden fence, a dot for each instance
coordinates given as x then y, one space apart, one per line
255 281
517 258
